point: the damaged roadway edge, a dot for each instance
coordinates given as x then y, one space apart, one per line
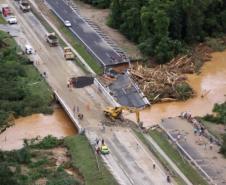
124 90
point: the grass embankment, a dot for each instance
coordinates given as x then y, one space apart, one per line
23 91
164 163
189 171
76 44
2 20
81 50
83 158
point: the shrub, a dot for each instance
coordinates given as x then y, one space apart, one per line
48 142
223 147
184 91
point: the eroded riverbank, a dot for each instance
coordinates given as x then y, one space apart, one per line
209 86
58 124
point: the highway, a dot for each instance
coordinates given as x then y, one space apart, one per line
130 162
103 52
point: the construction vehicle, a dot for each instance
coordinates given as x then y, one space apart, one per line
116 112
68 54
24 5
52 39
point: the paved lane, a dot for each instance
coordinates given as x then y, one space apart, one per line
82 30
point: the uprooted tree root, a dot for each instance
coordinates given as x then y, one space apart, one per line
168 82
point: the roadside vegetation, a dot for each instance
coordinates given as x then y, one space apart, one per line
2 20
76 44
164 163
38 163
81 50
83 158
162 140
23 91
53 161
218 117
179 35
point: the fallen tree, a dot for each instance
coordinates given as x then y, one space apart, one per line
168 82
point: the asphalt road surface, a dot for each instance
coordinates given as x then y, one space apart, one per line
136 166
82 30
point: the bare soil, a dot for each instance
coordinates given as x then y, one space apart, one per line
99 17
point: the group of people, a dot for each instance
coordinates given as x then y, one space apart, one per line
97 146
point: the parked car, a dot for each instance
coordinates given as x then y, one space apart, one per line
67 23
104 150
12 19
28 49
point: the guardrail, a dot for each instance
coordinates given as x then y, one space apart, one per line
99 86
146 101
78 56
70 113
188 156
103 90
77 36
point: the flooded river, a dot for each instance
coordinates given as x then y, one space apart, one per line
58 124
211 84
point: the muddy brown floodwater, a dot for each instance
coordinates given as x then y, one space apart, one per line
211 83
58 124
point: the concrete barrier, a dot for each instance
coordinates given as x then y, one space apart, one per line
210 180
106 93
78 56
146 101
70 113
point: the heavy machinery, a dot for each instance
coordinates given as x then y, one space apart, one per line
25 6
116 112
68 54
52 39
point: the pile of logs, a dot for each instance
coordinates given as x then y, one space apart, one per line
160 83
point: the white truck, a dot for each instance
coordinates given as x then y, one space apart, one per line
24 6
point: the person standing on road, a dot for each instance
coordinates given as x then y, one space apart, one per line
168 179
137 146
153 165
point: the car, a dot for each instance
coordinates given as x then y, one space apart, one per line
67 23
104 150
28 49
12 20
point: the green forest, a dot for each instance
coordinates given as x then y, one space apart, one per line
219 117
164 28
23 91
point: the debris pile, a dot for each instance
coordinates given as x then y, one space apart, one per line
118 122
168 82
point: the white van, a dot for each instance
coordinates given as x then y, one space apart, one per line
12 19
28 49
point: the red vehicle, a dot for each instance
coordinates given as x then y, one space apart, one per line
6 11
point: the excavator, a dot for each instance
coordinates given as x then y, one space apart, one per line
114 113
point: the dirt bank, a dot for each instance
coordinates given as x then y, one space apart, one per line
99 17
210 88
58 124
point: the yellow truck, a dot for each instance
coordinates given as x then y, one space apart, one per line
68 54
